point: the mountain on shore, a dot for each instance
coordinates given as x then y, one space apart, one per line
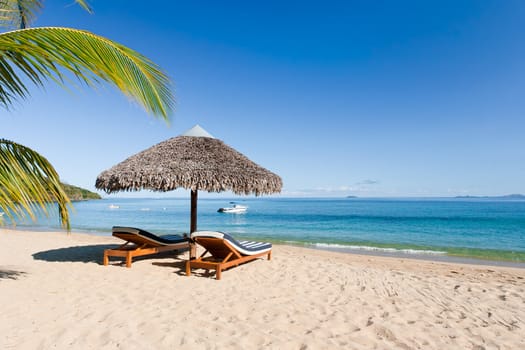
79 194
508 196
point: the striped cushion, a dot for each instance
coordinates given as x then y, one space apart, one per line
243 247
161 240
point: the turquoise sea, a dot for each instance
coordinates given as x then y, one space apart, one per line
468 228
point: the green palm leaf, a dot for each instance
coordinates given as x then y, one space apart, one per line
28 183
18 14
15 14
44 53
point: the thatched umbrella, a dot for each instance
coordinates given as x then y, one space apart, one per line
194 160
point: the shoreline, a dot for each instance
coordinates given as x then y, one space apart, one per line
425 257
56 293
383 251
483 233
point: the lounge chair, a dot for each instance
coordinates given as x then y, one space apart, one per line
225 251
140 242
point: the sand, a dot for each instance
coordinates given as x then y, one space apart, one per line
56 294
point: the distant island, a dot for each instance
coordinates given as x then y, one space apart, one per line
509 196
505 197
79 194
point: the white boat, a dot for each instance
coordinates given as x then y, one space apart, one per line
234 209
113 206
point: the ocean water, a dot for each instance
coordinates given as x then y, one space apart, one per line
472 228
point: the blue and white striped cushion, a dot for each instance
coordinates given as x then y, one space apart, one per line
161 240
243 247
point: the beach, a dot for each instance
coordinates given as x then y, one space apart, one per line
55 293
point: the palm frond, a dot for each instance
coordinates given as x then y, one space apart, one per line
28 183
18 14
44 53
84 5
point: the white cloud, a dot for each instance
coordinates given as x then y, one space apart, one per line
362 188
368 182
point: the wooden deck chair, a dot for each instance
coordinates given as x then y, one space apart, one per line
140 242
224 251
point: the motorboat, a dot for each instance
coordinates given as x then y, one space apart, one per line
234 209
113 206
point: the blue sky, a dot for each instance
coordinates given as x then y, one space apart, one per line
366 98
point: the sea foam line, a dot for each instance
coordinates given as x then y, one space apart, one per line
376 249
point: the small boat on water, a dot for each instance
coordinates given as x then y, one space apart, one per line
113 206
234 209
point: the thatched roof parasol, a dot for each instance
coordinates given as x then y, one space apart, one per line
196 161
190 162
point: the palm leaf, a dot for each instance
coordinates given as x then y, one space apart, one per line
28 183
18 14
84 5
15 14
44 53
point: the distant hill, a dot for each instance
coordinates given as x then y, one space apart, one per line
79 194
508 196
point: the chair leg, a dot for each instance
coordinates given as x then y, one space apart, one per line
270 255
218 273
188 268
128 259
106 258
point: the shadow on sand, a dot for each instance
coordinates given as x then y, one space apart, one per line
11 274
93 254
179 265
87 253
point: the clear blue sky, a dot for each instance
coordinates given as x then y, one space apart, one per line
366 98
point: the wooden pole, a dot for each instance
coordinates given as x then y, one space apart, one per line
193 222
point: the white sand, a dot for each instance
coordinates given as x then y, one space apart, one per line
55 294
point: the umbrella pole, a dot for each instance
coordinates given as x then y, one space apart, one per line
193 222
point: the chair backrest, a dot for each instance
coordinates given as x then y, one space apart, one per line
140 237
220 244
138 240
217 247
